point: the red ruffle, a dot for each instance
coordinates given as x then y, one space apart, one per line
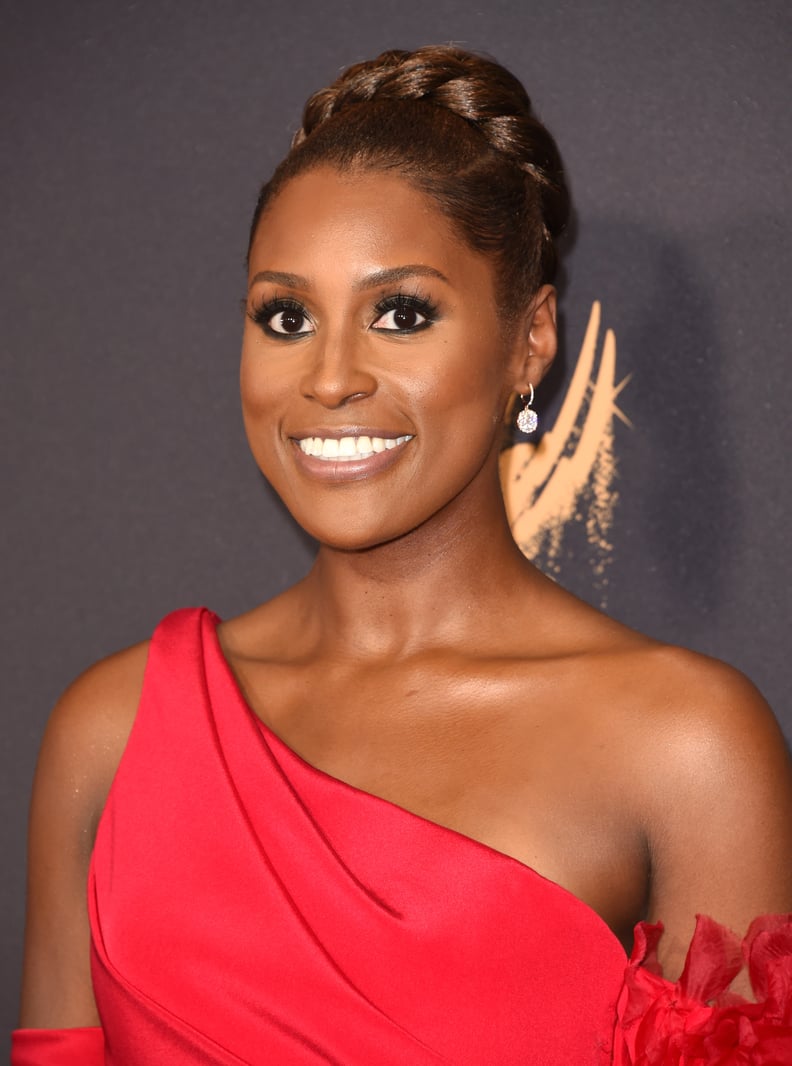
698 1021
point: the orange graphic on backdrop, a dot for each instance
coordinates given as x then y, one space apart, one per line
570 475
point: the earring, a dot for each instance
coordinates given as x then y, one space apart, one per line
528 419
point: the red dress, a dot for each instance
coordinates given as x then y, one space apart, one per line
248 908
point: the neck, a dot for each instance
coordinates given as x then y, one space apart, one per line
436 586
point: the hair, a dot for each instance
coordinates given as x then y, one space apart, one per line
461 129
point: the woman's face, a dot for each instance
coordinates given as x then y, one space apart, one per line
376 365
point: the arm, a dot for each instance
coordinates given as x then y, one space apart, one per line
82 746
719 806
717 788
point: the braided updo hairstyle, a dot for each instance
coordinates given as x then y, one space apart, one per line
461 129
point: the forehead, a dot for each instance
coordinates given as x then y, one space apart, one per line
353 223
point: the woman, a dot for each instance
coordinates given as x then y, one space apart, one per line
412 809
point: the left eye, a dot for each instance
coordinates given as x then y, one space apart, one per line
402 317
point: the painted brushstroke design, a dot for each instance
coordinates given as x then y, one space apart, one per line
569 476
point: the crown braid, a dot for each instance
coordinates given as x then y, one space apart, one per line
472 86
461 128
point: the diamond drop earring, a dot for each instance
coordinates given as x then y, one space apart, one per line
528 419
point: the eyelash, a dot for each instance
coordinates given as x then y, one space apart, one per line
262 314
402 301
421 304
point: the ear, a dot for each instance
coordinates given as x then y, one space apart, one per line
536 340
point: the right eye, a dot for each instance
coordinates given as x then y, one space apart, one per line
283 318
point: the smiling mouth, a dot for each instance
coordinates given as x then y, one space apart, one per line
349 449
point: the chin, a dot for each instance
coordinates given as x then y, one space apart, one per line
350 540
350 533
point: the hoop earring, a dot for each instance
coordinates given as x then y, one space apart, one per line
528 419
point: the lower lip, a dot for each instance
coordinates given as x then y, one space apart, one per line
338 470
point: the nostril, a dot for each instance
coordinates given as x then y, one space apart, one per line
338 385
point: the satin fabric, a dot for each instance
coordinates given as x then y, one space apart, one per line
58 1047
247 907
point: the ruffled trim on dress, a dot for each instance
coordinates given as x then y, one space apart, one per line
697 1021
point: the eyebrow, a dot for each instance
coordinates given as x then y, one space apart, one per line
370 281
391 274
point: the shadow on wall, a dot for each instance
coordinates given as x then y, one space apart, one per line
679 503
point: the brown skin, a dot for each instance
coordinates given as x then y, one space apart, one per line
455 679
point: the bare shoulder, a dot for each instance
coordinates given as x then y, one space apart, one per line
90 724
712 777
660 694
689 726
104 692
698 715
684 719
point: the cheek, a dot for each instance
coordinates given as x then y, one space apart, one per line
257 387
473 385
260 406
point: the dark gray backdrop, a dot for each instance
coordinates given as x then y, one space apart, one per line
134 136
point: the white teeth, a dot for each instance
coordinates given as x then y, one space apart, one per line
347 448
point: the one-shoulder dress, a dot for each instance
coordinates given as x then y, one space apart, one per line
246 907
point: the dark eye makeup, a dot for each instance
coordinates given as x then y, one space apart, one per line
405 312
401 313
281 317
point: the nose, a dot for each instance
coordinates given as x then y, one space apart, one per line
336 373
